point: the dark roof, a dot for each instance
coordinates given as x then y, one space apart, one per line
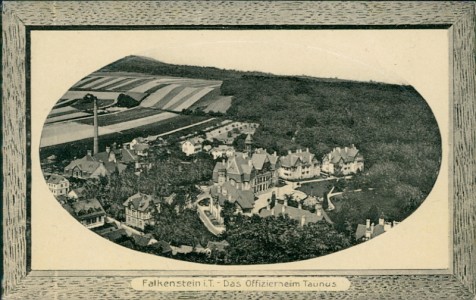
293 213
80 192
348 154
128 156
127 244
83 209
114 235
103 156
141 240
292 159
141 202
55 179
245 199
84 164
164 246
360 231
378 230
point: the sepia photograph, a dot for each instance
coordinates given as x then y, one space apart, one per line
169 160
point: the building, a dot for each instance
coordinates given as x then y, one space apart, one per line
257 172
222 151
299 165
296 213
369 231
89 212
244 200
99 165
140 146
58 185
78 193
192 146
140 209
344 161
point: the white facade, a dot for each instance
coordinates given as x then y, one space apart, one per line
60 187
299 165
221 151
344 161
137 218
93 222
190 147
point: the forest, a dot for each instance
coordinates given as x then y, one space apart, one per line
391 125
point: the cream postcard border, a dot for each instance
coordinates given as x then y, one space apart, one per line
20 17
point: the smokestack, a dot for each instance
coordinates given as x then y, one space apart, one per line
299 205
372 228
303 220
367 223
283 209
96 131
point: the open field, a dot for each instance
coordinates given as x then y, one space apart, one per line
177 99
127 86
65 132
221 104
112 82
95 82
156 97
155 94
192 99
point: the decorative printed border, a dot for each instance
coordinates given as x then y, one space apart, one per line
18 18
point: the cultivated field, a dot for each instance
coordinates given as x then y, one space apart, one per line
157 98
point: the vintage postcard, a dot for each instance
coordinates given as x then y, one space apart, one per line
232 159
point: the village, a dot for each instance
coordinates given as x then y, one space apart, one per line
252 180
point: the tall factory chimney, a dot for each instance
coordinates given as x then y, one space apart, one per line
88 98
96 131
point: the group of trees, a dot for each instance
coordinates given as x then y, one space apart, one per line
276 239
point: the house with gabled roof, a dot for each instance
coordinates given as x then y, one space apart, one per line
257 172
88 212
78 193
192 146
303 216
343 161
58 185
140 209
299 165
101 164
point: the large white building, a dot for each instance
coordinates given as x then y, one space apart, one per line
299 165
58 185
139 209
343 161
